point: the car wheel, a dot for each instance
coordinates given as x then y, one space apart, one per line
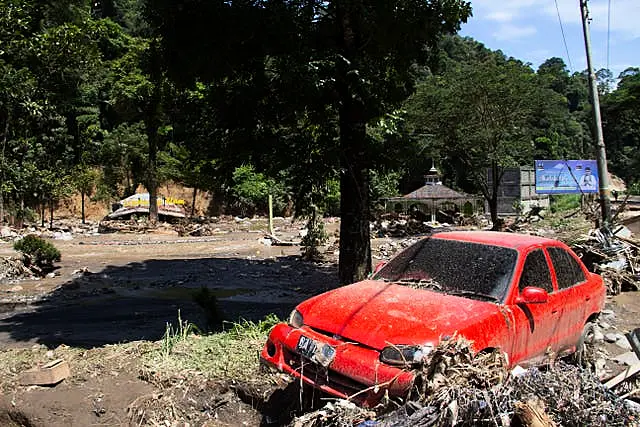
585 355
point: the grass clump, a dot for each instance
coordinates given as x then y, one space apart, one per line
37 251
565 202
173 336
228 355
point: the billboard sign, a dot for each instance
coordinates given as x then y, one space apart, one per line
566 176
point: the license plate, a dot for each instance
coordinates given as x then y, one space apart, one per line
315 351
307 347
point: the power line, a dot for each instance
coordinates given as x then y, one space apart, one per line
564 39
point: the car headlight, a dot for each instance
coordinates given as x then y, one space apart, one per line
405 355
295 319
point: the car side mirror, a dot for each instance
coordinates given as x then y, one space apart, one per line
379 266
532 295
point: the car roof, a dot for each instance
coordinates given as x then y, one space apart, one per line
495 238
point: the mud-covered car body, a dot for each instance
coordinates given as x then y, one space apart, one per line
526 296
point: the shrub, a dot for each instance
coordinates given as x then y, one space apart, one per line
564 202
37 251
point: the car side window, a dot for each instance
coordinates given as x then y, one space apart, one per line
536 272
568 270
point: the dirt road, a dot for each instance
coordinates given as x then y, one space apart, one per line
119 288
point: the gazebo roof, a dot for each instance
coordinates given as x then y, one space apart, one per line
434 192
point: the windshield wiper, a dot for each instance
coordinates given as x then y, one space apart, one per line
464 292
421 283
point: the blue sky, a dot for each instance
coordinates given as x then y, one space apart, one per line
529 30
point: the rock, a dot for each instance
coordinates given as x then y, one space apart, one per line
604 325
62 235
51 275
6 232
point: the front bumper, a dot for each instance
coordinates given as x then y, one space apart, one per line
355 373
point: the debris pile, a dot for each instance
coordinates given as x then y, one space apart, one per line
400 227
64 229
12 268
615 256
340 413
388 250
454 387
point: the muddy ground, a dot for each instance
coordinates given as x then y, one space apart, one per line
124 288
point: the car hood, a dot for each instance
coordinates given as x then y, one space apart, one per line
376 314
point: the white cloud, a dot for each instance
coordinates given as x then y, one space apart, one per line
514 32
501 16
624 13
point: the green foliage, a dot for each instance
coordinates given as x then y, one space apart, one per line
565 202
231 354
37 251
385 185
251 189
315 237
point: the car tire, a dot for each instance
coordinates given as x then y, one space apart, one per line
585 355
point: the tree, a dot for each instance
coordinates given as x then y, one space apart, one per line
84 180
363 52
480 113
621 126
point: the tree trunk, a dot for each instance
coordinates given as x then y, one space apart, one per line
43 207
4 144
493 200
82 204
51 214
193 201
152 125
355 243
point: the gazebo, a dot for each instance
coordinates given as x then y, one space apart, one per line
434 197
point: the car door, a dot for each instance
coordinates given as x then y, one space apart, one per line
572 301
535 324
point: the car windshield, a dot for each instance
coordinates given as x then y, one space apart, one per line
473 270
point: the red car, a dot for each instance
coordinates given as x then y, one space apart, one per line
527 296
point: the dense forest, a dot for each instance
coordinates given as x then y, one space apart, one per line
325 105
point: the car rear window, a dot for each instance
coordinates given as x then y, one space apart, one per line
568 271
453 266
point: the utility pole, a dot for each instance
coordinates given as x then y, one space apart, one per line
601 154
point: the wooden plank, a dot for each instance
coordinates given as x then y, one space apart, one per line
626 374
50 374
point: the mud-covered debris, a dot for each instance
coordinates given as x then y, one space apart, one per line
12 268
51 373
388 250
400 227
455 387
615 257
340 413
